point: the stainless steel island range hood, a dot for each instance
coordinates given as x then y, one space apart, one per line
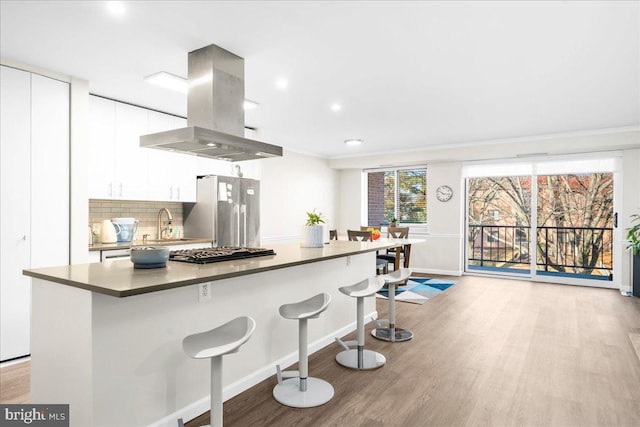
215 112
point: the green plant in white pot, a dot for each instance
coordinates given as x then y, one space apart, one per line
313 230
633 240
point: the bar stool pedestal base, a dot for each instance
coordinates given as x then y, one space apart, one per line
370 359
385 334
288 393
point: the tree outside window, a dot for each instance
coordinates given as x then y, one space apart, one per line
398 193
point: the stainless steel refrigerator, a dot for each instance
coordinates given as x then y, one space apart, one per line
227 210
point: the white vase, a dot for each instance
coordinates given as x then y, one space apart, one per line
312 236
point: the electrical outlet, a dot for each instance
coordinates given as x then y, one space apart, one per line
204 292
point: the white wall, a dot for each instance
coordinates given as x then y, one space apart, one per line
351 196
290 186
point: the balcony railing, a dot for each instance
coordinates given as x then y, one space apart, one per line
581 251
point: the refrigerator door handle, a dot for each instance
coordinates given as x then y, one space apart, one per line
236 214
243 212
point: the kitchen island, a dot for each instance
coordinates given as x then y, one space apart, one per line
107 338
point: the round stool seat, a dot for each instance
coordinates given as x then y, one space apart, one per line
397 276
365 288
306 309
219 341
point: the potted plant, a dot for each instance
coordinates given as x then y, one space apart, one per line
633 238
393 222
313 230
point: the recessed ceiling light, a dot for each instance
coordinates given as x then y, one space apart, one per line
336 107
116 7
353 141
168 81
211 144
250 105
282 83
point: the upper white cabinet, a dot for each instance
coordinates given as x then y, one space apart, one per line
117 164
102 148
131 160
172 176
120 169
34 205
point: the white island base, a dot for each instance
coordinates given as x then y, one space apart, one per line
119 361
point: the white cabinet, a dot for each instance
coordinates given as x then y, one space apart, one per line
131 160
120 169
172 176
102 150
34 205
117 164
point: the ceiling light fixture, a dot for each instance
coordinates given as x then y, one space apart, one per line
353 141
116 7
210 144
282 83
336 107
168 81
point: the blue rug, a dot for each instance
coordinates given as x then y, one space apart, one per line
419 290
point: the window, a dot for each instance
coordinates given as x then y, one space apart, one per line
494 214
399 193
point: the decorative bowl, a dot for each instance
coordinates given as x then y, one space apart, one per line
149 256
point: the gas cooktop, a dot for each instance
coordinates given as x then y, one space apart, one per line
217 254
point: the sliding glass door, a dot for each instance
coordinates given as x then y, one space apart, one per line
554 227
575 226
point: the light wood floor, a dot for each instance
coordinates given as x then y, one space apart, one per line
14 383
491 352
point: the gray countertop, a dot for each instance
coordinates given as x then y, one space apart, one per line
120 279
165 242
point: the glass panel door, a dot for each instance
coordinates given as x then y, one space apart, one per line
575 226
499 224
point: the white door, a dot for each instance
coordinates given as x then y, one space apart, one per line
49 172
15 291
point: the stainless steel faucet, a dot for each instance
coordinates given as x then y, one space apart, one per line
162 229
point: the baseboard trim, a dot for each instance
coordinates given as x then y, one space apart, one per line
198 407
437 271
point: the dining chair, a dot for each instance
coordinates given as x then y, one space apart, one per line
333 234
390 256
359 236
382 265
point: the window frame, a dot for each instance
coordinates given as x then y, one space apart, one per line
417 226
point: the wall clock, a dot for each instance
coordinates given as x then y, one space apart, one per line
444 193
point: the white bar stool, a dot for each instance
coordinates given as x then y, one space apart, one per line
391 333
359 358
300 390
213 345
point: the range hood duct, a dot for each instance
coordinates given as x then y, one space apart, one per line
215 112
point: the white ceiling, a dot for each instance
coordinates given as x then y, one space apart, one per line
408 75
